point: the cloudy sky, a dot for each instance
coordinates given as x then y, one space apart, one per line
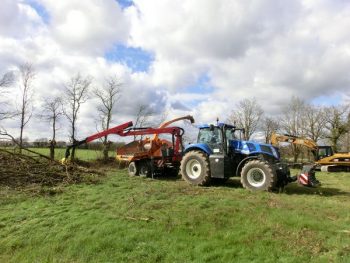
195 57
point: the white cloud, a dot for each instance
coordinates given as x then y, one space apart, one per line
17 18
68 45
86 26
270 50
263 49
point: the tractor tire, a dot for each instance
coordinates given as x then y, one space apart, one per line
258 175
133 169
145 169
195 168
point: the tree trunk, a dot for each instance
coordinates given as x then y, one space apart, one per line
21 132
21 141
295 151
72 157
105 151
53 140
334 144
52 150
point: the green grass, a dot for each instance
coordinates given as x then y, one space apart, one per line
132 219
82 154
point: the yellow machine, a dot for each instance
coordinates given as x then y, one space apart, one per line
325 158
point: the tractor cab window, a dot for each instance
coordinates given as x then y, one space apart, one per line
230 135
210 136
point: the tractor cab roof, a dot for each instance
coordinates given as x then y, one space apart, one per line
220 125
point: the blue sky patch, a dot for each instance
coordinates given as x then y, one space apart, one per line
327 100
40 10
125 3
201 86
135 58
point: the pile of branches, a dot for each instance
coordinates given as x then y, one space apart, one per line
20 171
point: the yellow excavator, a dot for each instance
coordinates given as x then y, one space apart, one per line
325 159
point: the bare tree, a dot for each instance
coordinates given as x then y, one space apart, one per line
269 125
107 96
292 122
76 93
314 122
247 114
336 124
345 142
161 118
142 117
5 81
25 107
51 113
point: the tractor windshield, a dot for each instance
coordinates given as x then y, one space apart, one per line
210 136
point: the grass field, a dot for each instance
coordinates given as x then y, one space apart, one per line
82 154
132 219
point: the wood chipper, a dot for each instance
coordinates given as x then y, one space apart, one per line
148 156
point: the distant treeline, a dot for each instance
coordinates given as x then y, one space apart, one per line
45 143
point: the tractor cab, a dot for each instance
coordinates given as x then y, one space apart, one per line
218 137
226 139
211 135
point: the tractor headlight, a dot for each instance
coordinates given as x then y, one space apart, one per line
245 149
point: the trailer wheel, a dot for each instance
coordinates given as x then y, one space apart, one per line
195 168
145 169
258 175
133 169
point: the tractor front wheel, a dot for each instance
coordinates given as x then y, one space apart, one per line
195 168
258 175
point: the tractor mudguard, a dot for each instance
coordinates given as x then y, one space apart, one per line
199 146
240 165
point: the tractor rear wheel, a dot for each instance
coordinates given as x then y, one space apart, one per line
258 175
195 168
133 169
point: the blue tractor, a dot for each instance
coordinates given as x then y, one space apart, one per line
220 153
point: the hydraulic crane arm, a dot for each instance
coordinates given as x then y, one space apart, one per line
126 130
115 130
276 138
